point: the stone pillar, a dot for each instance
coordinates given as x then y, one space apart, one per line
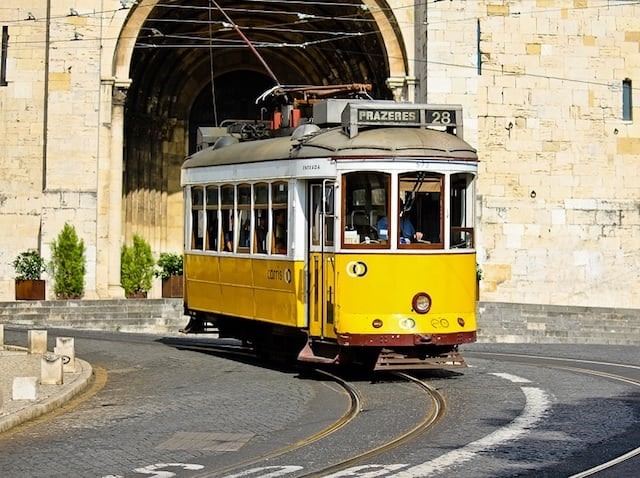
65 347
115 186
51 369
25 388
37 341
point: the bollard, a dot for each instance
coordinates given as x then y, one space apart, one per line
37 341
25 388
51 369
65 346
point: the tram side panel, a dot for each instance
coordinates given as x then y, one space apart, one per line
382 287
263 290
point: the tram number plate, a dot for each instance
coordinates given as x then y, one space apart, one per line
441 117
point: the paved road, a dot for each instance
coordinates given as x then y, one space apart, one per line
163 409
160 405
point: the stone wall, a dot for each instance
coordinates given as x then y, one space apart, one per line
128 315
549 324
559 191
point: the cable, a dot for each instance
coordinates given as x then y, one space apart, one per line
213 86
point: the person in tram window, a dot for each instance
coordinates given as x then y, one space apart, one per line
280 232
408 233
228 237
261 235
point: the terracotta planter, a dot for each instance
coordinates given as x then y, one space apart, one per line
30 289
172 287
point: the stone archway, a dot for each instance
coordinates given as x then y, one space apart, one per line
167 58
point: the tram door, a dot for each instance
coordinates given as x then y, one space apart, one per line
322 273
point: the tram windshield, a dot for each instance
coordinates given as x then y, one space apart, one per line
366 202
420 218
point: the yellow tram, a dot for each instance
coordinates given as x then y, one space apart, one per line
349 241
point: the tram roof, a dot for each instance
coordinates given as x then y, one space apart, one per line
384 143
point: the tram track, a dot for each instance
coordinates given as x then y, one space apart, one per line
582 367
437 412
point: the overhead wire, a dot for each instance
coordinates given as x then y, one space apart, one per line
303 17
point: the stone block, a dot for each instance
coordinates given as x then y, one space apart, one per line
65 347
37 341
25 388
51 370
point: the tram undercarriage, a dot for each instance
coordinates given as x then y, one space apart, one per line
289 344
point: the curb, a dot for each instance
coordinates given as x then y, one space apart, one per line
51 403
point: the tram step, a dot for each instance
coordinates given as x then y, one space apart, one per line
307 355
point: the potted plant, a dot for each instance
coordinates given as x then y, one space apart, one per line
170 272
136 268
68 264
29 266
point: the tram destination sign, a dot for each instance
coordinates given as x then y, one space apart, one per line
356 115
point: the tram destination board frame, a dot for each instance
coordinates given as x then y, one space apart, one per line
356 115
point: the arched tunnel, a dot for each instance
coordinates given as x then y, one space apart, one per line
198 62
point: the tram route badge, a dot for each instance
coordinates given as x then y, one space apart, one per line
357 269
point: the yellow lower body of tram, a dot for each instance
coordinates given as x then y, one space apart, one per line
338 306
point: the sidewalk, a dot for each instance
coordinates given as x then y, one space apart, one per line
16 362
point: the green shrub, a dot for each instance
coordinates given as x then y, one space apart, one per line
68 264
29 265
136 267
170 264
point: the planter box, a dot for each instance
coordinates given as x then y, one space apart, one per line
172 287
30 289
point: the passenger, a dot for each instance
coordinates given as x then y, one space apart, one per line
228 237
261 235
280 232
408 233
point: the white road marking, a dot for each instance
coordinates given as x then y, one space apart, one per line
537 404
510 377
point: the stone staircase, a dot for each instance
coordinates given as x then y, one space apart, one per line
121 315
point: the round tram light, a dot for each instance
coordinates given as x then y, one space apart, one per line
377 323
407 323
421 303
460 321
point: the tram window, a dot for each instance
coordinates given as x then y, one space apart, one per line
280 220
228 229
462 223
244 217
329 216
280 231
280 194
211 243
365 209
421 209
316 205
197 218
261 221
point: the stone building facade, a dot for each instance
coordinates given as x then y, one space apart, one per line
547 88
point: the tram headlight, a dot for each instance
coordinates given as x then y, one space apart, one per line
421 302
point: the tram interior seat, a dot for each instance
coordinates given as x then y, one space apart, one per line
364 224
